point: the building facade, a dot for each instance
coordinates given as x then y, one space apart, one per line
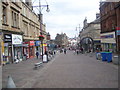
1 40
90 34
110 20
20 31
61 40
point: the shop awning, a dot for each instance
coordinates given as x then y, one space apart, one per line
21 45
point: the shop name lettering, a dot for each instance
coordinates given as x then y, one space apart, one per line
8 40
8 37
108 36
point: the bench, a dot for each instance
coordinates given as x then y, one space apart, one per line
38 64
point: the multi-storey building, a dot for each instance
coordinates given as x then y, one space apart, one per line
20 30
0 33
110 20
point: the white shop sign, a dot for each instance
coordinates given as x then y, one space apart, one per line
17 39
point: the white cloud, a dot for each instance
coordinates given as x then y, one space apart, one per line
66 15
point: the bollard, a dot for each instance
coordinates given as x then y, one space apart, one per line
10 83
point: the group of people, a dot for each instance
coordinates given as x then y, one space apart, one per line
77 51
45 53
63 50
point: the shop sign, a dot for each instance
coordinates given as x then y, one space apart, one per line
118 31
108 36
32 43
5 44
17 39
37 43
43 45
7 38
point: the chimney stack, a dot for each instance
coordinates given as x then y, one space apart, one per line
29 3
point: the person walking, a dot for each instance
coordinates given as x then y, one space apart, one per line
77 51
37 54
64 51
81 49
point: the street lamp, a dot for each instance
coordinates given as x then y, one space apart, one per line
41 22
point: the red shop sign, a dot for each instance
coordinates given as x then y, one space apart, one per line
117 28
32 43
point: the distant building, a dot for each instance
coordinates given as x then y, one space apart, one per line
110 20
90 34
61 40
73 42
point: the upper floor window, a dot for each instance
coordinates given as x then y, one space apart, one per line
4 16
15 19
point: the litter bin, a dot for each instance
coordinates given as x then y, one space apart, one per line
115 60
109 56
104 56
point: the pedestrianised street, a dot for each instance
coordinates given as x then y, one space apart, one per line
63 71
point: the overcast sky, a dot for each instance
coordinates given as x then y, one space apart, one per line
66 15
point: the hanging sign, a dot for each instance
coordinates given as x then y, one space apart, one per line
31 43
17 39
7 38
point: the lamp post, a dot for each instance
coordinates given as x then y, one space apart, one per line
41 22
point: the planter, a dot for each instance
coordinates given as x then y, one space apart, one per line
41 37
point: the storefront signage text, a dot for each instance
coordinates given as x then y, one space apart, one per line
7 38
108 36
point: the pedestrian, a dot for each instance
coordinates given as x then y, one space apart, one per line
74 51
77 52
64 51
46 53
37 54
81 49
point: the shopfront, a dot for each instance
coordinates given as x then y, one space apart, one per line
118 38
7 54
31 49
37 46
108 41
17 45
26 49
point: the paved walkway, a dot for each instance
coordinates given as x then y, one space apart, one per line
64 71
20 72
78 71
